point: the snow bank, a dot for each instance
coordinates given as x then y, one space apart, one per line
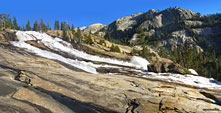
88 67
191 80
193 71
60 45
140 62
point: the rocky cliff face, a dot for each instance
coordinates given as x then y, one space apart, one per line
93 28
171 27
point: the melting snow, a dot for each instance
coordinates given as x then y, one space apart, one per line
193 71
138 62
60 45
89 67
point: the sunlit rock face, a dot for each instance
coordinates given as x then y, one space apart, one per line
35 77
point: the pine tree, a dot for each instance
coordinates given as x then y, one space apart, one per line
78 35
41 25
36 26
141 36
56 25
68 27
10 24
72 27
48 26
88 40
5 20
162 52
62 26
72 30
64 32
15 24
65 37
144 52
28 27
44 28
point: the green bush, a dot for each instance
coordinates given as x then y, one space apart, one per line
102 42
115 48
186 71
88 40
134 52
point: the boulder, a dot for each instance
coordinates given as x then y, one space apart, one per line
165 67
176 68
155 68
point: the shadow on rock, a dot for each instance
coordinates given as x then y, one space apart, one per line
75 105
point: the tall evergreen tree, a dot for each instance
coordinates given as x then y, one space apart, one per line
41 25
68 27
10 24
48 26
28 27
44 28
36 26
15 24
5 20
56 25
141 36
72 30
78 34
62 26
72 27
65 37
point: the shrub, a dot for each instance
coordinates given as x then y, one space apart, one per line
115 48
134 52
102 42
88 40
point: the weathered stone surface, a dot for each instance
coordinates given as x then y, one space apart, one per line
55 88
164 67
93 28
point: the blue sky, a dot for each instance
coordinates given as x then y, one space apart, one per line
86 12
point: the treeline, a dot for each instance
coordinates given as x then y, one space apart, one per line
207 63
68 32
208 21
6 22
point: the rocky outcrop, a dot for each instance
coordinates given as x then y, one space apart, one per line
166 67
149 20
93 28
7 35
169 28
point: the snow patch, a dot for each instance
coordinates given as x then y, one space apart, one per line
193 71
58 44
86 66
191 80
140 62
